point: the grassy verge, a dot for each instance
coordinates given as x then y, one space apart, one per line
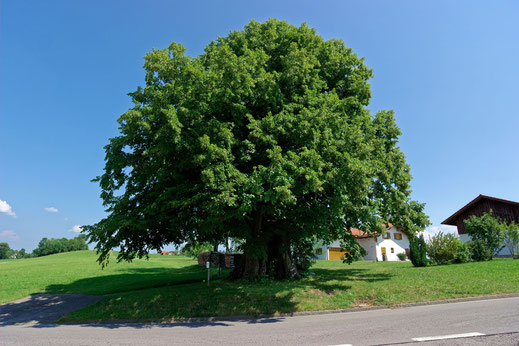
78 272
333 285
172 287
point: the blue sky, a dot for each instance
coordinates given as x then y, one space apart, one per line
448 68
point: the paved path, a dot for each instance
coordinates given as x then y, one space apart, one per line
489 317
43 307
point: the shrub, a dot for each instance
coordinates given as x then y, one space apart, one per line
303 255
488 231
413 251
418 251
511 238
423 251
443 248
401 256
194 249
463 253
479 251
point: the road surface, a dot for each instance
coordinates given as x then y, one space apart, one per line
488 322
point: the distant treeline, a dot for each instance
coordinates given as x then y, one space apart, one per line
52 245
46 247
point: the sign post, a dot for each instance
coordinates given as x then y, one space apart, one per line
208 266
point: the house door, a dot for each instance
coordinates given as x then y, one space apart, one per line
384 256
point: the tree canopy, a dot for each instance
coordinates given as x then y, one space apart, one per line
264 137
5 251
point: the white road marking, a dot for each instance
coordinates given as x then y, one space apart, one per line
343 345
452 336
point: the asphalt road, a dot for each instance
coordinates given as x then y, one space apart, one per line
492 322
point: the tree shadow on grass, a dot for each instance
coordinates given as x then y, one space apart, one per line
166 294
134 279
330 279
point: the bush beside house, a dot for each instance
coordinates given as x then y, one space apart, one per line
489 235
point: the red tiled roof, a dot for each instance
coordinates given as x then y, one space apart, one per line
359 233
362 234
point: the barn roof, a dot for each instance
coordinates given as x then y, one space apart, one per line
451 220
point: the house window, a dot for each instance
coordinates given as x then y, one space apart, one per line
392 250
386 236
398 236
319 252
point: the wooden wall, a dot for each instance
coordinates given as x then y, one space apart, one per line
504 211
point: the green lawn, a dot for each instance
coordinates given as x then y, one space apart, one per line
171 287
78 272
334 285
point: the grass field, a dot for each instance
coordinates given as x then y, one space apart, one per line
333 285
78 272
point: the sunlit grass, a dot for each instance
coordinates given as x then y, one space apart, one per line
333 285
168 287
78 272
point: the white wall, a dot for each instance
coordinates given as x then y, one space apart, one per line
373 247
398 246
370 245
324 253
503 253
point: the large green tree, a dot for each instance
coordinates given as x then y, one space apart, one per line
264 137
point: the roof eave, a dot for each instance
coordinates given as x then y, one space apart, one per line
451 219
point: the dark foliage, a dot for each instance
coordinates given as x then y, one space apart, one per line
418 251
463 253
479 251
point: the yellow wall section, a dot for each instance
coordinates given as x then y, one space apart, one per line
335 253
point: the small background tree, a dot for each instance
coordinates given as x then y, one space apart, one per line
488 231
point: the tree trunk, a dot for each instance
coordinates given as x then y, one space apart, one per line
280 259
278 263
249 266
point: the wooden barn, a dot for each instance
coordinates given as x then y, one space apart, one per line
505 210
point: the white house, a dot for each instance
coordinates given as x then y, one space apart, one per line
384 247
